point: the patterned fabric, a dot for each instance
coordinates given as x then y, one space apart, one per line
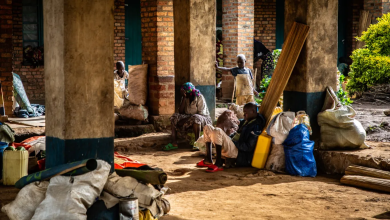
188 122
190 89
243 99
267 67
20 94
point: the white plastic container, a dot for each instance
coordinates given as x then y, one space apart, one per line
15 166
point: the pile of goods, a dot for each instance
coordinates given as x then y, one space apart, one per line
86 189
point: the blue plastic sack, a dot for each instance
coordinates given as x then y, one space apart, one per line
298 150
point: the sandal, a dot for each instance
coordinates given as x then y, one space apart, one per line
202 164
169 147
213 169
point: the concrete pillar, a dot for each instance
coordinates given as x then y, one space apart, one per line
238 36
317 63
6 54
195 23
78 75
157 51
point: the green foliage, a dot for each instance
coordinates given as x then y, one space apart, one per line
367 70
341 94
377 36
371 65
263 89
276 54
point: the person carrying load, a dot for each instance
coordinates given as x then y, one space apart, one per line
243 78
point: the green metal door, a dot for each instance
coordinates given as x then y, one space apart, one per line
279 23
133 46
342 26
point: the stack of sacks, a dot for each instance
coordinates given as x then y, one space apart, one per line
238 110
69 197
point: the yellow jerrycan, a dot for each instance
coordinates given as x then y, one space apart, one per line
263 146
15 166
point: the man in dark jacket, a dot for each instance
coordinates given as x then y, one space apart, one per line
242 145
246 137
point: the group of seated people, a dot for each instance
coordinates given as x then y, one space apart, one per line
234 140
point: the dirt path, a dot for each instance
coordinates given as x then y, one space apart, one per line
248 194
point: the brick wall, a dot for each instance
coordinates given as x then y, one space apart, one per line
119 31
353 25
32 77
375 8
158 52
265 26
385 6
238 28
6 52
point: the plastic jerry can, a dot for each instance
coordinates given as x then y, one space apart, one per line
15 166
262 150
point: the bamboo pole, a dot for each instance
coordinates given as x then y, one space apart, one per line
367 182
288 58
365 171
234 89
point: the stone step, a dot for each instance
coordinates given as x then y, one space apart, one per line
125 131
335 162
151 140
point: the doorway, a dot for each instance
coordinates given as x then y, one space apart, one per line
133 37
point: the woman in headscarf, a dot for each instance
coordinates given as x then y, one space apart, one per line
193 113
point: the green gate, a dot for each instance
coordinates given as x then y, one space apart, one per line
133 46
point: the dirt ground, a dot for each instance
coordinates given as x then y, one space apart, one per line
247 193
374 121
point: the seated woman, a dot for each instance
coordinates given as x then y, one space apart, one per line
240 147
193 113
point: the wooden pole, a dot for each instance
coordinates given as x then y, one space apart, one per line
234 89
288 58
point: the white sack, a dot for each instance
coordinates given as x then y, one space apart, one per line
281 127
70 197
276 159
27 200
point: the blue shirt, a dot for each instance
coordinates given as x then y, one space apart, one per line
236 70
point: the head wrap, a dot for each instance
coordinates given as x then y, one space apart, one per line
190 89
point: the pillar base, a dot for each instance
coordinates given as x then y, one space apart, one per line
66 151
311 103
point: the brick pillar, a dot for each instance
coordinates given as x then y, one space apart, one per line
119 32
6 53
157 51
237 34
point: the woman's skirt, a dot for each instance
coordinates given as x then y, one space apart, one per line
183 123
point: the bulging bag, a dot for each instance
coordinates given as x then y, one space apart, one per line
136 112
27 200
69 197
298 150
138 84
339 129
276 159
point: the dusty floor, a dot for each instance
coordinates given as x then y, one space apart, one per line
246 193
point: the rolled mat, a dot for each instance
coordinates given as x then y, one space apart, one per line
367 182
154 177
74 168
366 171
